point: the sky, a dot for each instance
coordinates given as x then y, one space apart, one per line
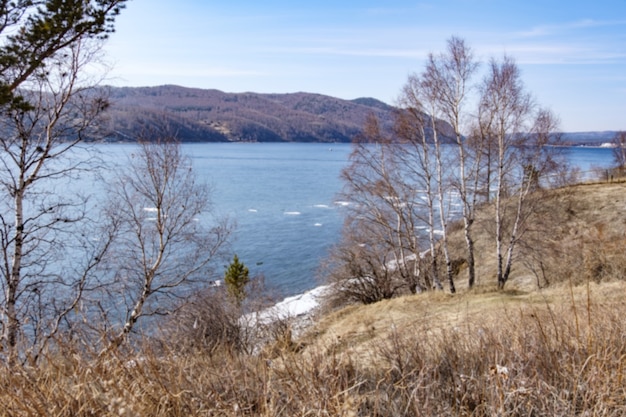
572 54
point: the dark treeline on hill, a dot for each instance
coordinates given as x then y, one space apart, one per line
197 115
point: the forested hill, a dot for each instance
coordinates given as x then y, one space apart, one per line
215 116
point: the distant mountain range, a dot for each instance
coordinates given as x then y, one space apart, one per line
198 115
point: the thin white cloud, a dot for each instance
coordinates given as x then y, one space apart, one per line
548 53
547 30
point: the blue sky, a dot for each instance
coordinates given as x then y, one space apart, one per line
572 53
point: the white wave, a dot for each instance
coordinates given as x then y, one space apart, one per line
342 203
150 209
292 213
253 210
324 206
318 225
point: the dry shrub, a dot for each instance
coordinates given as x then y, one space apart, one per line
206 322
592 255
603 255
211 321
530 360
540 361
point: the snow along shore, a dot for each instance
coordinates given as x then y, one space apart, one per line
300 305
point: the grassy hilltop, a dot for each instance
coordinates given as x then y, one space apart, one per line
553 343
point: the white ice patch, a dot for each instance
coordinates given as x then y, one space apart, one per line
290 307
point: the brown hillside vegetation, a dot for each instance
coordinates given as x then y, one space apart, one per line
198 115
552 344
575 233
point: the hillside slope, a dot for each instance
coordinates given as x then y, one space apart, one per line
216 116
576 237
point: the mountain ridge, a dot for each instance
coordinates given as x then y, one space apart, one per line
209 115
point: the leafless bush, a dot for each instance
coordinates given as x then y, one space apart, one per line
212 322
206 322
361 273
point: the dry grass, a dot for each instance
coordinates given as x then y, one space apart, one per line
576 232
560 352
555 351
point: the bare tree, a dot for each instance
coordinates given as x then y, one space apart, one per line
42 227
419 126
482 147
619 150
449 76
522 134
379 252
416 161
163 250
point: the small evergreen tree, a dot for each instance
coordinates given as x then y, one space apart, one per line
236 278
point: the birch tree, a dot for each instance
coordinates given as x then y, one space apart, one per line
378 255
167 238
449 76
417 162
522 134
430 88
48 106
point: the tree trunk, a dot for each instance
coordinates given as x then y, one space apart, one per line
467 212
471 268
442 213
134 315
13 324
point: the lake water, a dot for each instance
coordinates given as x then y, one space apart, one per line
283 198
